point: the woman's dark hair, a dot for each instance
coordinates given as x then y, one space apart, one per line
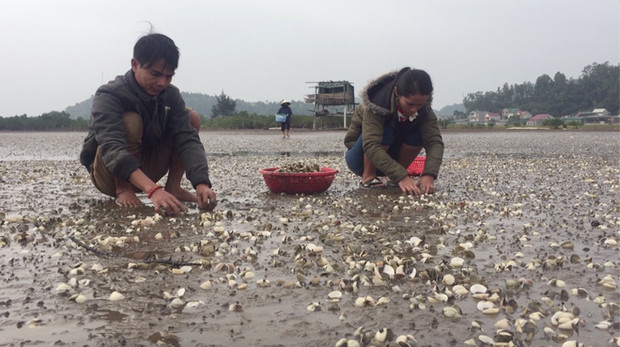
414 81
152 47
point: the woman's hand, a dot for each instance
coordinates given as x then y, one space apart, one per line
408 186
427 184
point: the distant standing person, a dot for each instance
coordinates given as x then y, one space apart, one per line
389 129
286 125
141 130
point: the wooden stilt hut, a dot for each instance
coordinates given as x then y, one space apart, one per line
330 94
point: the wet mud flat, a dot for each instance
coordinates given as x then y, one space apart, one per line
517 248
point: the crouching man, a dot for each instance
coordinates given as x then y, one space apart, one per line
140 130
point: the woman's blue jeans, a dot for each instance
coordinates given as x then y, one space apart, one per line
355 155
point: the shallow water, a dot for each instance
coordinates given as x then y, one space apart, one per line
508 203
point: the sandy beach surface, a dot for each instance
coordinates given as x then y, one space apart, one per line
518 247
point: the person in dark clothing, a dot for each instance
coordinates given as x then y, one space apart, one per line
286 125
140 130
390 128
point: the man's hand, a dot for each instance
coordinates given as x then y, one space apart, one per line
170 204
206 197
427 184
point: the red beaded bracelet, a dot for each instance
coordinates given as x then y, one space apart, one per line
153 190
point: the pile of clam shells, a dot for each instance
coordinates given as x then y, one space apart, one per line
299 167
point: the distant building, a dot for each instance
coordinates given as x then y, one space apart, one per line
509 112
601 112
539 119
492 117
597 112
476 116
481 117
596 116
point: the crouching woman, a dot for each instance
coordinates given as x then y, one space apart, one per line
389 129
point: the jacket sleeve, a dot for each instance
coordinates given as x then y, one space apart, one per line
107 125
372 132
355 128
433 144
187 143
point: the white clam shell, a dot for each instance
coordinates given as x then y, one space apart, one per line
116 296
381 335
263 283
206 285
383 300
557 283
176 303
478 289
459 291
604 325
451 312
457 262
389 270
80 299
364 301
336 294
193 304
502 324
314 306
448 280
180 292
63 287
484 305
491 311
572 343
97 267
486 339
414 241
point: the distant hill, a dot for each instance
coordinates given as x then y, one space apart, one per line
448 111
80 109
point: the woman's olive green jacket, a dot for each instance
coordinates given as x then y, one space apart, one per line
378 106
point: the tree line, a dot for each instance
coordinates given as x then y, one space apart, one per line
597 87
51 121
61 121
203 104
223 115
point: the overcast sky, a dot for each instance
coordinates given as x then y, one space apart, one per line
56 53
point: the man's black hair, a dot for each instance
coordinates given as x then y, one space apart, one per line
152 47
